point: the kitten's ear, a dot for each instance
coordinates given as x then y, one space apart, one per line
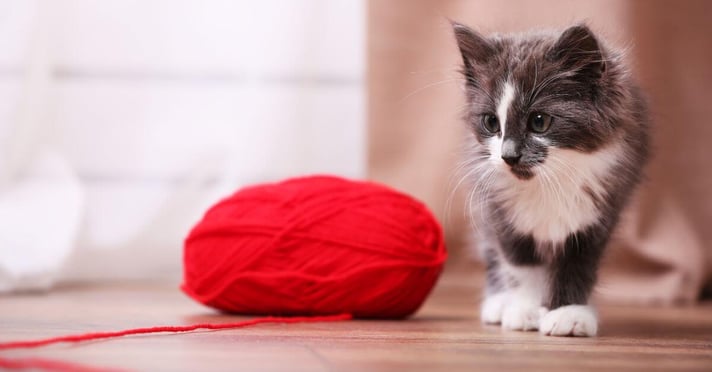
577 48
474 48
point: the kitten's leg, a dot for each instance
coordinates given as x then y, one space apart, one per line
527 282
496 292
524 309
572 275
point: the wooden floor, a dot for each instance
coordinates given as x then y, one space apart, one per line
445 335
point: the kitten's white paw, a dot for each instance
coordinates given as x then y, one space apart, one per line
572 320
522 316
492 307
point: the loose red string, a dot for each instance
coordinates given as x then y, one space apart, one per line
53 365
173 329
49 365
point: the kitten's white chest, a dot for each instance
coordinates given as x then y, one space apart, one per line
561 198
549 214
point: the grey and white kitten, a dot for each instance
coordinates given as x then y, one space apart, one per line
559 141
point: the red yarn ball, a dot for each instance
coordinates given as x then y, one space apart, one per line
315 246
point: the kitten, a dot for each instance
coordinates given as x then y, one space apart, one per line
559 140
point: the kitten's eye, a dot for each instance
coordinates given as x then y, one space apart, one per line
490 123
539 122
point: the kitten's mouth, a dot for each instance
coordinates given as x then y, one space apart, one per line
522 172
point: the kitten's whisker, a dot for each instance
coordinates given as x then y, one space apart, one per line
475 165
569 171
536 77
485 196
443 71
421 89
547 184
478 191
463 178
556 187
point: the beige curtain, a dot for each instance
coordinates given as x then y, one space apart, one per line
662 252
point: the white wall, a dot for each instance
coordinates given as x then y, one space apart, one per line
162 106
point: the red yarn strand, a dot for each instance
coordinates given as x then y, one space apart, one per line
173 329
49 365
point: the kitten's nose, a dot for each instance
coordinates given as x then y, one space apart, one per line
511 159
510 152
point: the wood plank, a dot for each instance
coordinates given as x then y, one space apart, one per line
444 335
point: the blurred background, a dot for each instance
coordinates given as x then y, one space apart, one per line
121 121
127 119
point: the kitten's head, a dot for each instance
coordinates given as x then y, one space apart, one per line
533 93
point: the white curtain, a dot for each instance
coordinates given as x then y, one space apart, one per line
122 121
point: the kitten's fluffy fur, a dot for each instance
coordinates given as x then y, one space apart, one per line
560 137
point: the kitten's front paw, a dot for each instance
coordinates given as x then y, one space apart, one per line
522 316
491 311
571 320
